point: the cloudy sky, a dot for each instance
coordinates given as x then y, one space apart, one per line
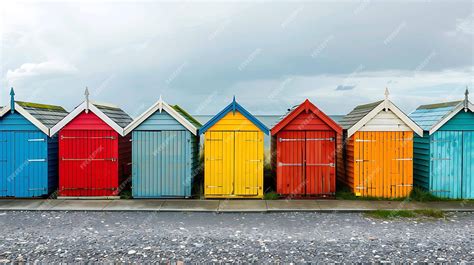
270 55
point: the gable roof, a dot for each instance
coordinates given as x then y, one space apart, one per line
357 114
188 116
113 116
362 114
297 110
233 106
432 117
181 116
43 116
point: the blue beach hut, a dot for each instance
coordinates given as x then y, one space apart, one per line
28 156
444 156
165 152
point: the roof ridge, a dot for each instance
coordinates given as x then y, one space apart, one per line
440 105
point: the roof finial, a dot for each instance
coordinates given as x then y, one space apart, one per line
466 100
386 103
12 100
233 105
160 103
86 93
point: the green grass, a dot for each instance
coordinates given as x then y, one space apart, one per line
126 195
271 196
391 214
420 195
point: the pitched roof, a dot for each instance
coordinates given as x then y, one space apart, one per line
176 112
357 114
362 114
233 106
43 116
434 116
49 115
113 116
426 116
188 116
305 106
116 114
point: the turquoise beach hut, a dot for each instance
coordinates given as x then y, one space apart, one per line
444 156
165 152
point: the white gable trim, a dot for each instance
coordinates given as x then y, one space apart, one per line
448 117
384 104
79 110
27 116
159 106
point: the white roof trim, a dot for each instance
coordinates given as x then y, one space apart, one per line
78 110
27 116
159 106
5 110
409 122
448 117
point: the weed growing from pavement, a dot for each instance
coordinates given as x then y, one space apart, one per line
390 214
271 196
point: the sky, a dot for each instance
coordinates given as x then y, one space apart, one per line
270 55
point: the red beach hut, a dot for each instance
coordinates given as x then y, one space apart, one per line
304 144
94 157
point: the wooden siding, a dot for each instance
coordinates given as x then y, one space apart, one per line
16 122
53 164
162 163
234 122
468 165
463 121
385 121
446 156
422 161
160 121
307 121
382 163
87 121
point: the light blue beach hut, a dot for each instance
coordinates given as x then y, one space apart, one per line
165 152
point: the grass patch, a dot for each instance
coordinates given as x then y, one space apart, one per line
391 214
271 196
126 195
430 213
420 195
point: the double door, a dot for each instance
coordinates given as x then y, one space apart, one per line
306 163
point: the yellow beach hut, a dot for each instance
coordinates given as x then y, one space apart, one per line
233 154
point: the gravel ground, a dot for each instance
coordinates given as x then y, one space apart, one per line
208 237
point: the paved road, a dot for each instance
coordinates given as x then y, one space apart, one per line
199 237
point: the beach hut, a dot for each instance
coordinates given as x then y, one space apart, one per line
94 157
378 155
165 152
444 156
304 144
28 156
233 154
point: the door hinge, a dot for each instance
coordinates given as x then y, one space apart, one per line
403 159
321 139
290 140
442 159
280 164
330 164
37 160
362 160
90 159
36 140
364 141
